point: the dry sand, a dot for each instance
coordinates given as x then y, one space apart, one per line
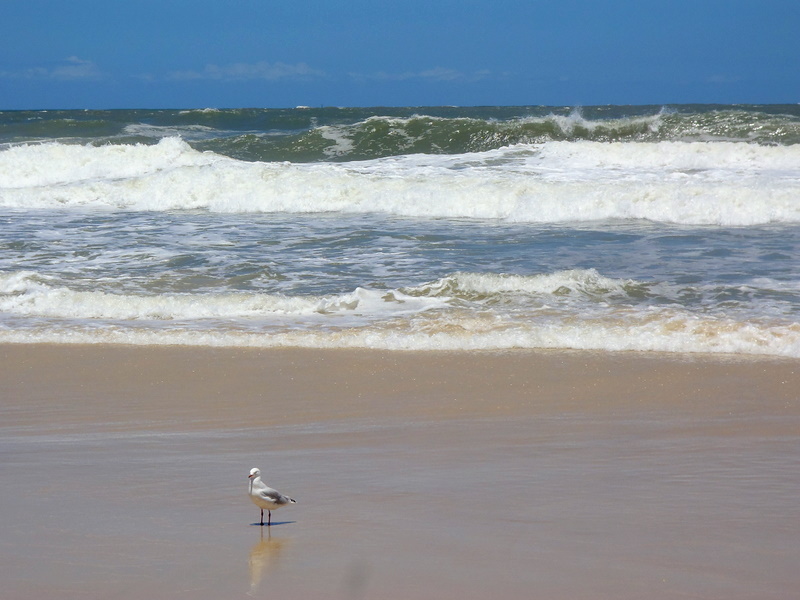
548 475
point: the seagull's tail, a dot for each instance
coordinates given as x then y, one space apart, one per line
292 500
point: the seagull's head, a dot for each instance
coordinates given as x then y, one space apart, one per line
255 472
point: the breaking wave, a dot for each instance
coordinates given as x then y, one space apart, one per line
723 183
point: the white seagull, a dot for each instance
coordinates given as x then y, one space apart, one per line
265 497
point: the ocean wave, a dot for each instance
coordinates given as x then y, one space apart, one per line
27 294
497 286
572 309
670 334
688 183
348 134
381 136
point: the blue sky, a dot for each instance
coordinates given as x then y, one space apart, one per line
284 53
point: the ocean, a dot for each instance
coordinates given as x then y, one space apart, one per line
614 228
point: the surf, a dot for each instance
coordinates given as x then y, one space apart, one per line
732 184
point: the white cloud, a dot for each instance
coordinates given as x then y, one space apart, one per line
72 69
250 71
76 68
434 74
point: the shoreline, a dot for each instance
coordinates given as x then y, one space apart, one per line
449 474
122 386
196 380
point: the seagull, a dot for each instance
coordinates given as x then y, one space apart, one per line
265 497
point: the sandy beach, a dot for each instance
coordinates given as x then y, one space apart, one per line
551 475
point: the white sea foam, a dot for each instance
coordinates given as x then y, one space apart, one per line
342 144
27 294
190 132
200 111
568 124
670 335
582 281
38 168
689 183
575 309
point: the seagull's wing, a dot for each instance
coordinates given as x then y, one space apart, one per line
274 496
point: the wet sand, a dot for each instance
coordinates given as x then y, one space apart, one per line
549 475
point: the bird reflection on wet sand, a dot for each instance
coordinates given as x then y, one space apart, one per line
264 557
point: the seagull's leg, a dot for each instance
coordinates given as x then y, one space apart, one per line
269 522
262 517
